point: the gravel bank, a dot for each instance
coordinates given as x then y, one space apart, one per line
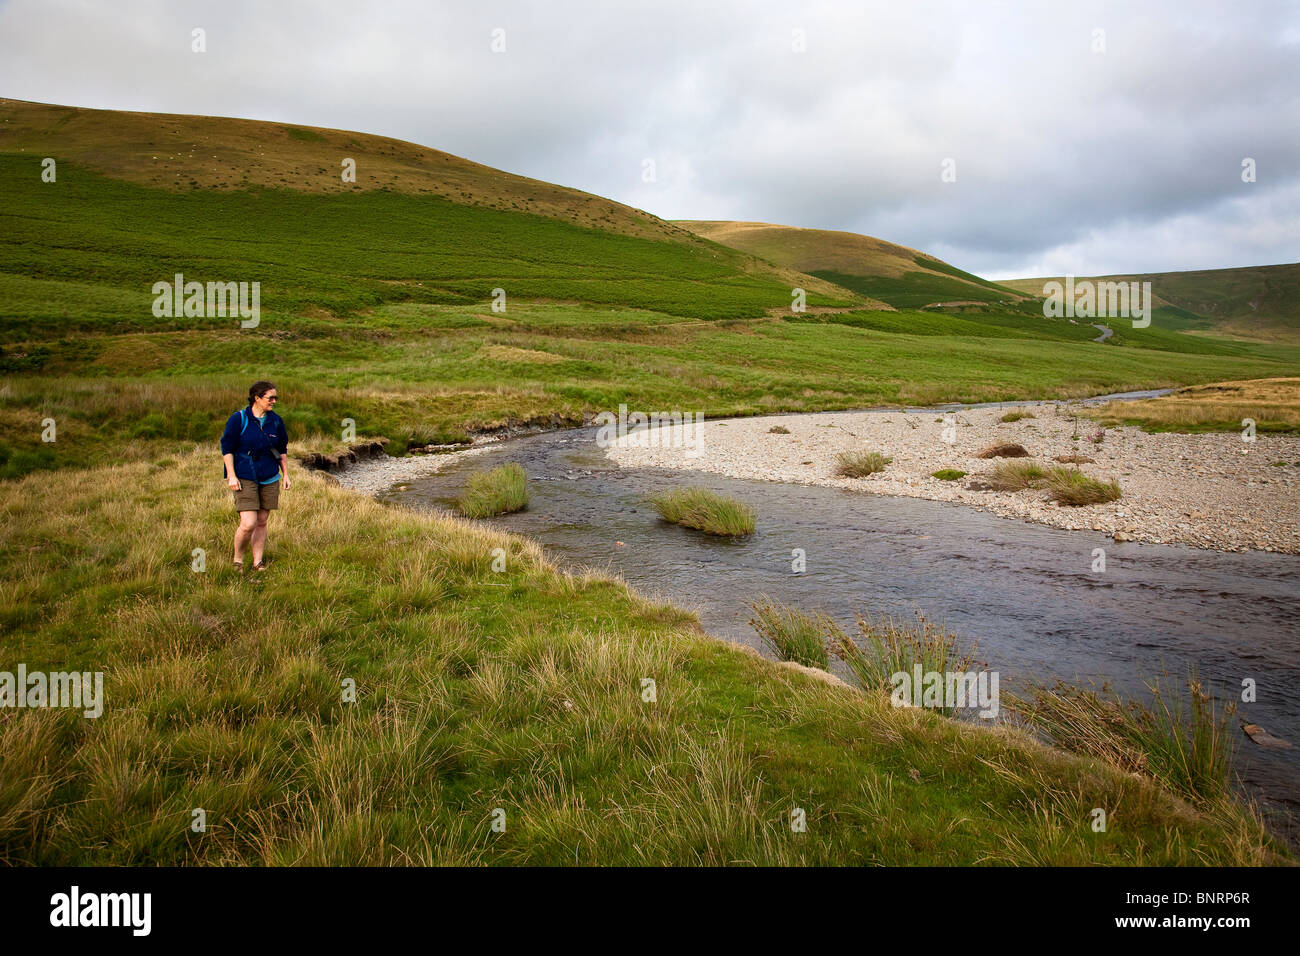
374 475
1211 491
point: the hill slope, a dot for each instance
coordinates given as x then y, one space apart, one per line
208 154
183 152
1259 302
894 274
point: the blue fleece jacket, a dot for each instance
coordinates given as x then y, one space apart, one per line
257 447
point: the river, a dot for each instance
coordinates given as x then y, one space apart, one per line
1026 593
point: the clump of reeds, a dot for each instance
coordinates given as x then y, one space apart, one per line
791 634
886 646
500 491
1181 738
705 511
860 464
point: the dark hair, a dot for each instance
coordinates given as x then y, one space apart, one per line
258 389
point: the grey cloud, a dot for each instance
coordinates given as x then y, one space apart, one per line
1127 160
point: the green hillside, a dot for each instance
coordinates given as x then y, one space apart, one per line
1256 302
888 273
331 255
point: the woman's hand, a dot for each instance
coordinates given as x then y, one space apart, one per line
233 484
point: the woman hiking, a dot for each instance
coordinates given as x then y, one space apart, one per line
254 447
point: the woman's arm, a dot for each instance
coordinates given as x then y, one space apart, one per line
231 481
283 449
229 445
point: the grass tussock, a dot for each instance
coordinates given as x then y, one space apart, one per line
778 430
886 646
860 464
1010 417
706 511
1066 486
503 490
1181 738
1070 486
1017 476
791 634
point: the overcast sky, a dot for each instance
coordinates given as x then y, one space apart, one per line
1074 150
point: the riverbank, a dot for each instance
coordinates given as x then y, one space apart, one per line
1213 490
405 688
374 475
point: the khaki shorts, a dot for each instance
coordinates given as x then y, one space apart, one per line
254 497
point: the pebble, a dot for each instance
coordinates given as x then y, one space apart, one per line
371 476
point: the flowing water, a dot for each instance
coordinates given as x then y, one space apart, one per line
1025 592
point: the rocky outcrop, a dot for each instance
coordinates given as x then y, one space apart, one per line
355 453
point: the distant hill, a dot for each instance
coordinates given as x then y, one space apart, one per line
901 277
1255 302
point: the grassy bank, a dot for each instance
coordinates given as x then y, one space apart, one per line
143 396
524 690
1273 404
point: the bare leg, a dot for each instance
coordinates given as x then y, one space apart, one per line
259 535
247 524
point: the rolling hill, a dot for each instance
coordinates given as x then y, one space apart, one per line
1256 302
215 156
895 275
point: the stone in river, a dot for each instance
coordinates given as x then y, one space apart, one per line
1262 737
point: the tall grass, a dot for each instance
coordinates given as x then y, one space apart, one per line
1181 738
706 511
502 490
860 464
1272 403
1070 486
1067 486
887 646
791 634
